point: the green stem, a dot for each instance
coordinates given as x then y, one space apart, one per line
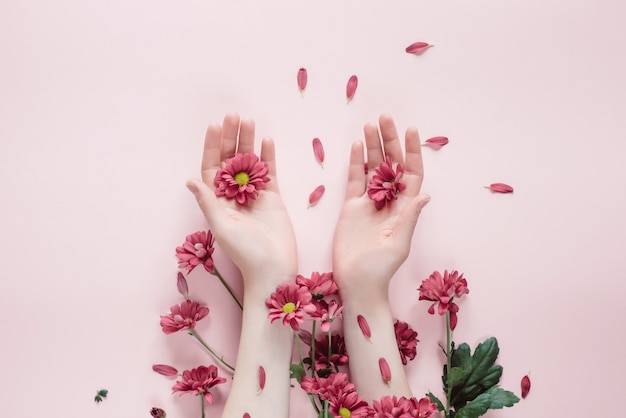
219 276
326 408
330 351
202 403
311 397
449 363
210 350
313 349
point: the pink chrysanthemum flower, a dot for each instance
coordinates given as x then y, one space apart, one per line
320 285
241 178
385 185
338 353
197 249
183 316
348 405
407 340
422 408
442 290
393 407
328 387
290 302
198 382
326 312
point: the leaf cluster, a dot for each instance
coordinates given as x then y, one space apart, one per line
100 395
472 381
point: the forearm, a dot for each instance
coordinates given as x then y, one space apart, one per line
261 345
365 353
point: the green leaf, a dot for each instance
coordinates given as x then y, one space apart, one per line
103 393
484 357
476 407
98 399
501 398
296 372
435 400
456 376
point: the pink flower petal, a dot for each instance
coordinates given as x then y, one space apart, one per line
261 379
385 371
417 47
436 142
246 415
315 196
353 82
182 286
318 150
302 79
525 386
165 370
365 328
500 188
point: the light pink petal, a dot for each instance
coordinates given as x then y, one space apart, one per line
302 79
385 371
353 82
318 150
436 142
500 188
525 386
165 370
365 328
315 196
182 286
418 47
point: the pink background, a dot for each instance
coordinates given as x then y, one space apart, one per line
103 107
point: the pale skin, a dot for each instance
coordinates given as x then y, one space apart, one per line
261 242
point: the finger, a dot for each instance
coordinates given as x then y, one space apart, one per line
414 168
356 172
211 154
407 220
268 156
207 201
246 136
230 131
391 142
374 148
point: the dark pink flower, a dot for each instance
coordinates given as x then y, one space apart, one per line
290 302
422 408
442 290
165 370
407 340
183 316
302 79
328 387
326 312
417 47
320 285
348 404
393 407
338 353
353 82
385 185
241 178
197 249
157 413
500 188
198 381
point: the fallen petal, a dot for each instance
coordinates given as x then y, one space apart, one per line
436 142
318 150
165 370
525 386
246 415
417 47
302 79
261 379
365 328
181 284
385 371
315 196
500 188
353 82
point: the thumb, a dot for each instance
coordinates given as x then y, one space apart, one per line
407 219
204 196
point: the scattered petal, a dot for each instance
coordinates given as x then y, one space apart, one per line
165 370
365 328
385 371
302 79
246 415
353 82
500 188
157 413
261 379
525 386
436 142
318 150
418 47
182 286
315 196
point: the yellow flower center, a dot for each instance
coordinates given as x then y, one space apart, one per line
344 412
289 307
242 178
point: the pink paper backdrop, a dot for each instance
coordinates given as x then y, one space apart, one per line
103 107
